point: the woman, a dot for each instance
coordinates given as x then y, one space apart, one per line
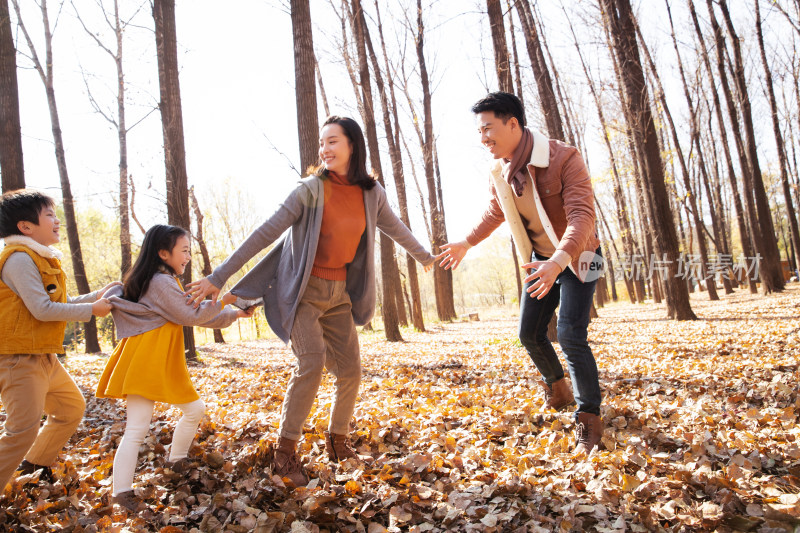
318 283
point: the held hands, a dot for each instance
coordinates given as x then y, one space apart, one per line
197 291
546 273
246 313
452 254
101 307
229 298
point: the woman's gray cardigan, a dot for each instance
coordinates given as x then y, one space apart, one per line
281 277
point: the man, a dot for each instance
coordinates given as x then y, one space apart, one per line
542 188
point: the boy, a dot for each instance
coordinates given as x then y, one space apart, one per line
34 310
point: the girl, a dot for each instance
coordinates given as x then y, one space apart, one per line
318 283
149 364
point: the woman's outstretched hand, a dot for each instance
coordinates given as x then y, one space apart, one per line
197 291
452 254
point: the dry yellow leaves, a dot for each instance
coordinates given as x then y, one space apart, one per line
701 434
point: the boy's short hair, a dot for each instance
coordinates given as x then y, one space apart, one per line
21 205
504 105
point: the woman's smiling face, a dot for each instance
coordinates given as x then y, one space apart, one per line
335 149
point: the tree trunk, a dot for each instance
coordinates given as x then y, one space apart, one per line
619 196
201 242
444 290
547 96
787 192
124 215
396 157
389 275
11 164
694 210
741 215
305 85
172 126
46 75
766 242
618 18
501 62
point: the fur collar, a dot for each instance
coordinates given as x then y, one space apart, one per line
540 157
41 249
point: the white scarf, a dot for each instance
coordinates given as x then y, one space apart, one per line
41 249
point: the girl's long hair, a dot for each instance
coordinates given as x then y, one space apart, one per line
137 279
357 172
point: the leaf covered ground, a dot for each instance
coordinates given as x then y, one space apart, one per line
702 435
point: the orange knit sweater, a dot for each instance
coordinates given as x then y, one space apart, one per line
343 223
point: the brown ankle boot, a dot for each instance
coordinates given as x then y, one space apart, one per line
588 432
286 463
558 395
338 447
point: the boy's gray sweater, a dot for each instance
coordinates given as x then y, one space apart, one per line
22 276
163 302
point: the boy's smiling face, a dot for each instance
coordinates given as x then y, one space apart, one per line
46 231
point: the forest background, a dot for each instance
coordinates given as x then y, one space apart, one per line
714 77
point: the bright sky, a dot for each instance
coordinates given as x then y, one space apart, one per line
237 85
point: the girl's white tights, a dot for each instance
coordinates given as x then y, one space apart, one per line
140 412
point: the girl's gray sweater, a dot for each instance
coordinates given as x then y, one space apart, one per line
163 302
281 277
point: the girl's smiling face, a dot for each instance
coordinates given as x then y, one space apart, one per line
335 149
180 255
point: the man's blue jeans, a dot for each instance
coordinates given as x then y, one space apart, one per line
573 320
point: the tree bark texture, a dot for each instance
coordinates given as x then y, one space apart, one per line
445 307
11 164
389 271
618 18
172 127
766 243
776 128
305 84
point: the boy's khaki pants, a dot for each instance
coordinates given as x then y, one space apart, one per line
32 384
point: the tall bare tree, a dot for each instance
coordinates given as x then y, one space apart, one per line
305 84
46 74
11 165
172 127
544 83
443 279
389 275
741 214
618 18
501 62
119 27
395 154
694 210
776 129
764 230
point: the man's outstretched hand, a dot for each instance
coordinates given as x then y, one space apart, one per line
197 291
452 254
546 273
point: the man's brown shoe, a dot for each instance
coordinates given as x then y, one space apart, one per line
557 396
286 463
588 432
338 447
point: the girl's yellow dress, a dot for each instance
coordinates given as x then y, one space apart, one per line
152 365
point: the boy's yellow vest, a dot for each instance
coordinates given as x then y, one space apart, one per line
20 332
